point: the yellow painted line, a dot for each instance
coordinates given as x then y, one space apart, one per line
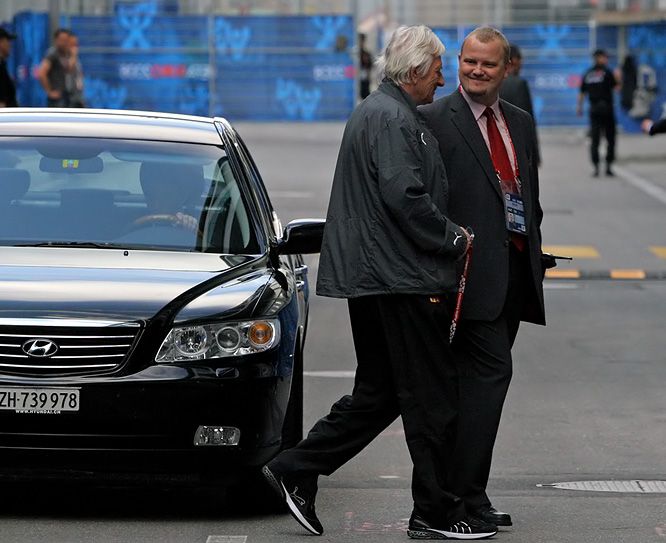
562 274
627 274
660 252
576 251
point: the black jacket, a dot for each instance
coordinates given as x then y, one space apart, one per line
386 229
7 88
476 200
516 91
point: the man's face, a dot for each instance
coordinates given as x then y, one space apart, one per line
481 69
5 47
425 86
62 42
601 60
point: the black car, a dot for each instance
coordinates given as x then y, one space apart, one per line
153 310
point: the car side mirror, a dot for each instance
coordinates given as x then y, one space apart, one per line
302 236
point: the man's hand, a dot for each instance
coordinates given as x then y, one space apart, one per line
646 125
54 94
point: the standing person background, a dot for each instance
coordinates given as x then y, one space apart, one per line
598 84
53 70
365 62
74 75
7 87
489 150
390 249
515 89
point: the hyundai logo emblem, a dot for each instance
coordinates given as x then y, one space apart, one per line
39 348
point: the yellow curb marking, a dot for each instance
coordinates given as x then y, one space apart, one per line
660 252
576 251
627 274
562 274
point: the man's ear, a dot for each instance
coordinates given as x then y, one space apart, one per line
413 75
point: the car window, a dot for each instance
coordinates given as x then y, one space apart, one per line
131 193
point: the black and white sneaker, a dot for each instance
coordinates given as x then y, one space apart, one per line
299 494
467 528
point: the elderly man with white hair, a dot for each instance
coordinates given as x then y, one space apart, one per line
391 251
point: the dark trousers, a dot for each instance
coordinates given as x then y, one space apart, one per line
602 123
404 368
483 354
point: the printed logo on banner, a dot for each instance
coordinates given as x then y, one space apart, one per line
298 102
135 19
193 100
232 39
99 94
552 36
330 28
650 42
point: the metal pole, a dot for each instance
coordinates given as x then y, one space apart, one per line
54 15
212 63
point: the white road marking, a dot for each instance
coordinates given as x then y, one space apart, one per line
226 539
331 374
642 184
559 286
389 477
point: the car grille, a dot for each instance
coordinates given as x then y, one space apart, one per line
65 350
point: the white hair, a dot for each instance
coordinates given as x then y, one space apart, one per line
410 47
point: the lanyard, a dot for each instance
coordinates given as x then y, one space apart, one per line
461 292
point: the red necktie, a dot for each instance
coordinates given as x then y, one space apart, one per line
502 166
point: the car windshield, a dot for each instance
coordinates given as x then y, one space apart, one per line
90 192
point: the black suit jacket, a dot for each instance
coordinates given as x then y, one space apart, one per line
7 88
476 200
516 91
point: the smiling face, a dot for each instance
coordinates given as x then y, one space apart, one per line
423 88
481 69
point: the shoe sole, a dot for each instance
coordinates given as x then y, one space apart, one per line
295 512
280 489
443 534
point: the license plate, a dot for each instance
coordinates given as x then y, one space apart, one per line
49 401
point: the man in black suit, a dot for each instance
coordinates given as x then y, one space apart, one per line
506 275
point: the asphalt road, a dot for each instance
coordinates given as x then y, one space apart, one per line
587 403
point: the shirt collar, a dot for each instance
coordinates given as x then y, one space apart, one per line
478 109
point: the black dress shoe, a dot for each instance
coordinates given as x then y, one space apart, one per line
467 528
493 516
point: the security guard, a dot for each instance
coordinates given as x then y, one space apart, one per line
598 83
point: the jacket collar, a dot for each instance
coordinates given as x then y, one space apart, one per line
394 91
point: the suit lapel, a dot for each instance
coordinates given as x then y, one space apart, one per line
463 119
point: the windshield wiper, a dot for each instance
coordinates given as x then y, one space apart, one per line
81 244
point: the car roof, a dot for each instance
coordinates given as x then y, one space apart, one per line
109 123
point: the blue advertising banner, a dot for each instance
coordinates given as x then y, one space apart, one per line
255 68
32 40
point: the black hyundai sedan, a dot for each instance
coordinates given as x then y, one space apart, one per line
153 310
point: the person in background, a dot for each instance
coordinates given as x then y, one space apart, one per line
7 87
74 77
390 249
598 84
365 67
53 70
515 89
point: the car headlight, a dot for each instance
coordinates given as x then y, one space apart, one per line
219 340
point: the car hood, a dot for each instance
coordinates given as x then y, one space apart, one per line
121 286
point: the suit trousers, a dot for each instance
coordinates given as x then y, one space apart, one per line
602 122
483 355
404 367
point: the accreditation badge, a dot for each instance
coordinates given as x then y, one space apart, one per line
514 208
